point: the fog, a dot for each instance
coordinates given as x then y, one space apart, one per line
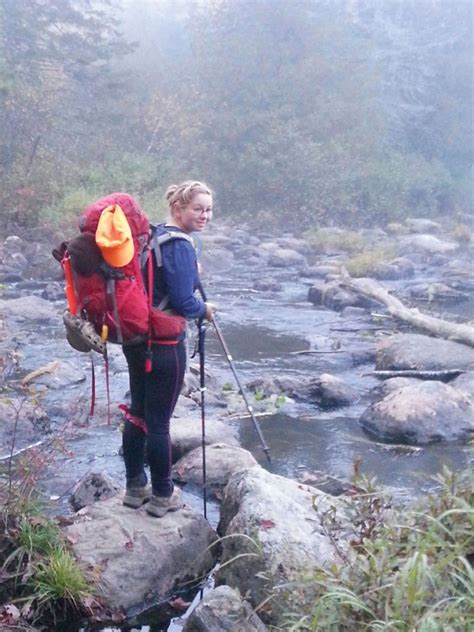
328 112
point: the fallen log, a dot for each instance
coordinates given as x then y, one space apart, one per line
442 376
435 326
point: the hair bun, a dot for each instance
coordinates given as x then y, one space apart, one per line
170 191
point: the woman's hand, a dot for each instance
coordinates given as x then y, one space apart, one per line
210 311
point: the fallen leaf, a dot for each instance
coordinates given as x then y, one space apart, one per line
12 611
179 604
64 521
267 524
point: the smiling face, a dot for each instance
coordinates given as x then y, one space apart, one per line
194 216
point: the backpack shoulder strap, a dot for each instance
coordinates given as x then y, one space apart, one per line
163 236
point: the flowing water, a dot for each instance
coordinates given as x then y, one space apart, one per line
268 333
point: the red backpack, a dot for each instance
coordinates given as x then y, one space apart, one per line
113 299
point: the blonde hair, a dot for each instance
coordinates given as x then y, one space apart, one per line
182 194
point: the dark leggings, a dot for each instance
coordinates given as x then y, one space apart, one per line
154 397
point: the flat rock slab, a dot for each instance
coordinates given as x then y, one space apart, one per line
421 413
274 534
223 610
27 308
221 462
416 351
139 558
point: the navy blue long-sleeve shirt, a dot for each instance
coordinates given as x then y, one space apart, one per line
178 278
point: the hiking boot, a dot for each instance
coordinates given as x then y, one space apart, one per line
160 505
136 496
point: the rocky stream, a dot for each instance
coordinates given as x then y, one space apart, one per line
308 350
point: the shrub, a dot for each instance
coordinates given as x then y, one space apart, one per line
365 263
409 571
345 240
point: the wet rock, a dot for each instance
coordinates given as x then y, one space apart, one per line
330 391
320 271
363 356
277 532
267 285
421 413
10 277
136 557
53 292
221 462
18 261
399 268
394 228
223 610
421 225
416 351
293 243
427 244
27 309
324 482
283 257
332 295
13 243
186 434
326 390
437 292
91 488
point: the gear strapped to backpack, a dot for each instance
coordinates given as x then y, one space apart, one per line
105 288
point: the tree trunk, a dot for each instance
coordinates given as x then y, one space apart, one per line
434 326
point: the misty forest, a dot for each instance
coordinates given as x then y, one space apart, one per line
320 453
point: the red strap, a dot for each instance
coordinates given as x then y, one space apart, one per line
148 360
91 409
107 385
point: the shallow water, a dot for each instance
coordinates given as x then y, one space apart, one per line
264 332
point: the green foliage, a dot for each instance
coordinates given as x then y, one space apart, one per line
58 578
408 569
365 263
227 387
329 238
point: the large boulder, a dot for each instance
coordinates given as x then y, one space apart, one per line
438 293
331 294
422 225
221 462
284 257
325 390
399 268
135 558
421 413
416 351
223 610
186 434
427 245
275 534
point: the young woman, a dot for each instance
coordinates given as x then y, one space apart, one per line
154 394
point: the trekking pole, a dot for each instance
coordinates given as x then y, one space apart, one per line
228 356
202 376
